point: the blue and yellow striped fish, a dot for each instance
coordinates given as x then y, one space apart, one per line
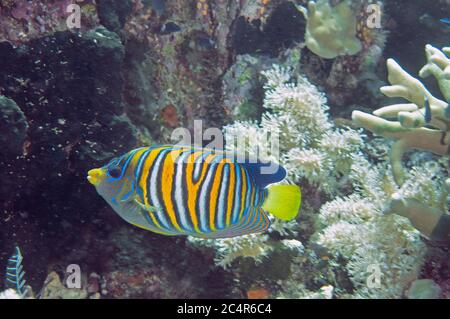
183 190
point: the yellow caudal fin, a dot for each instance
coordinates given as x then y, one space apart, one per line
283 201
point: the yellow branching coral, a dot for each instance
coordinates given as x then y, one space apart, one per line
422 124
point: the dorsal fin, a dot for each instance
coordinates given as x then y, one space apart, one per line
265 173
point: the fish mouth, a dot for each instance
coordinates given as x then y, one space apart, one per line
95 176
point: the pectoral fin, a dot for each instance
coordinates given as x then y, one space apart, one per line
146 211
146 207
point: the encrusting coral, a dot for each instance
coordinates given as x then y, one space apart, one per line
331 31
422 124
352 33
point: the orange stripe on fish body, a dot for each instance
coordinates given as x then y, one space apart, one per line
252 198
143 182
194 187
167 180
137 156
190 189
243 192
230 197
214 195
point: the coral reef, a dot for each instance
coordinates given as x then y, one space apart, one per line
241 88
183 70
137 267
83 96
227 250
171 69
299 115
71 98
311 147
53 288
133 265
300 292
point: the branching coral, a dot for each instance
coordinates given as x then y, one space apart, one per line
423 124
425 110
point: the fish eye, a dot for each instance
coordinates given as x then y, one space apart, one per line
115 172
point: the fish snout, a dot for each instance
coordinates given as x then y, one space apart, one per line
95 176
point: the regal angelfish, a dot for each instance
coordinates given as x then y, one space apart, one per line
182 190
